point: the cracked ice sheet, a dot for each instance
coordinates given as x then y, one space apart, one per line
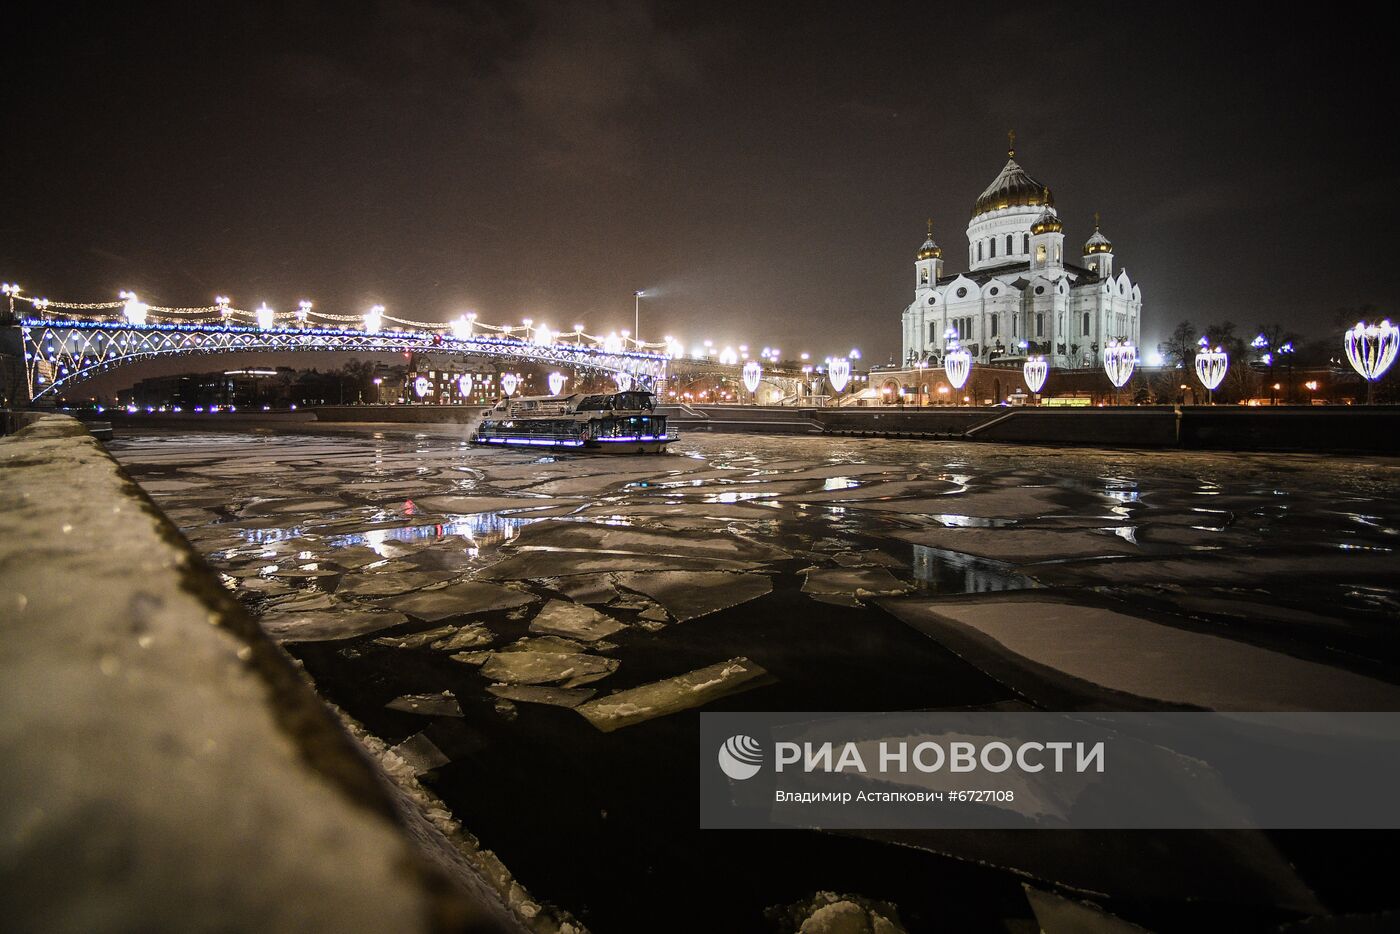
1020 546
420 754
865 581
371 584
569 670
594 538
689 595
672 695
1136 656
328 625
456 600
574 621
539 694
429 705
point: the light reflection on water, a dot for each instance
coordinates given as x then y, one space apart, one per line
478 529
953 572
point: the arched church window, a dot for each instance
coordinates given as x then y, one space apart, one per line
992 324
1039 325
1040 253
1009 248
993 244
1026 243
1085 330
979 250
923 276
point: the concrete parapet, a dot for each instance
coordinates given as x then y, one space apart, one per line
165 766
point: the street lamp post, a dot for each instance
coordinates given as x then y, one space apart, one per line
637 315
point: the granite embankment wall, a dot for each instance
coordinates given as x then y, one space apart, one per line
163 765
1368 429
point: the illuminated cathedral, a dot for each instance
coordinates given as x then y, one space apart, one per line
1021 295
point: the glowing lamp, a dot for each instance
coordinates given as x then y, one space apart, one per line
266 316
1211 366
462 328
1035 369
752 374
556 383
421 385
134 310
374 319
509 383
838 373
1371 348
1118 362
464 384
957 364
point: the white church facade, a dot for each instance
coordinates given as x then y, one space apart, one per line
1020 295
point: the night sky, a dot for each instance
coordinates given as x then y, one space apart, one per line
764 171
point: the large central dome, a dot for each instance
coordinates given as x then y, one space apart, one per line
1013 187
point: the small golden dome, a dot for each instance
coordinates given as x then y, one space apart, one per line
930 250
1047 222
1098 243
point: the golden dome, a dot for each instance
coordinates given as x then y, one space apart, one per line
1012 187
1098 243
1047 222
930 250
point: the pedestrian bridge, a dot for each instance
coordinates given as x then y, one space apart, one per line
59 354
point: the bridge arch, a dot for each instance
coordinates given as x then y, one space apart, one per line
61 354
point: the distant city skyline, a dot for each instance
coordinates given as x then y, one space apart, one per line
764 175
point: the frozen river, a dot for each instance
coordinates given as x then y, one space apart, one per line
535 635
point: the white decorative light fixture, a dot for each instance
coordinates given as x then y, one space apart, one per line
838 372
556 383
729 357
674 348
509 383
421 385
464 384
623 380
1035 369
752 374
1118 362
543 338
134 310
1211 366
374 319
462 327
612 344
303 311
1371 348
267 317
957 364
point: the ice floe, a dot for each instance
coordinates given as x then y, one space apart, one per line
574 621
687 595
429 705
660 698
